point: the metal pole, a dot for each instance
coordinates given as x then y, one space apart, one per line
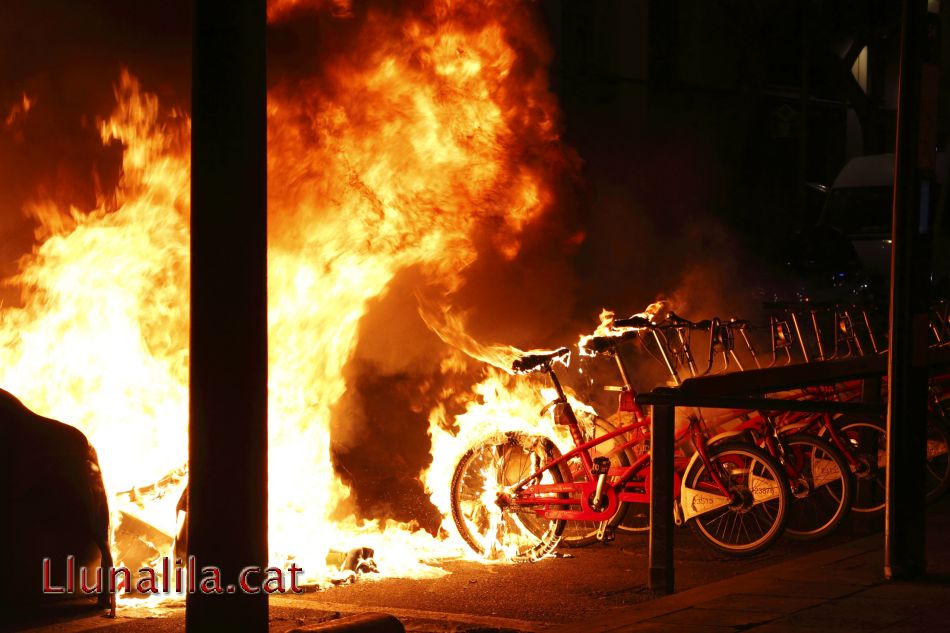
907 378
227 509
661 499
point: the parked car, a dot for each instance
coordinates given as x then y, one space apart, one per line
54 506
846 254
859 206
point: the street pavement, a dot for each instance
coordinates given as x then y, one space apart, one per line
835 585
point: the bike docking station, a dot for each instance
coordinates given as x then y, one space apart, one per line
796 444
761 389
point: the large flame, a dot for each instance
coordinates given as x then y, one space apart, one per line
428 139
401 154
101 341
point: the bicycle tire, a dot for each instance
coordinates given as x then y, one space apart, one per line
723 528
821 486
513 533
870 476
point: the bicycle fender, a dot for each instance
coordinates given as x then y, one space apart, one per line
794 427
695 502
721 437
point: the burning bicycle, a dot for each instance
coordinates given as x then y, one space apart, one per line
512 495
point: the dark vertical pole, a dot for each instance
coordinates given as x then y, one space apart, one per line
662 43
661 499
227 508
907 377
803 97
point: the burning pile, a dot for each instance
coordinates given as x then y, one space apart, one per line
423 142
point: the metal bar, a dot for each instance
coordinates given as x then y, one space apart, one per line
773 379
814 325
867 324
227 501
674 397
661 499
664 353
801 340
904 520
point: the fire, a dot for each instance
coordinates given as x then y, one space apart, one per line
427 140
498 404
606 327
18 110
416 142
278 9
101 340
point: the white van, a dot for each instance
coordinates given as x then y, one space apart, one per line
859 206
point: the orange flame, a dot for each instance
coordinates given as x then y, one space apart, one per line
403 155
429 140
19 110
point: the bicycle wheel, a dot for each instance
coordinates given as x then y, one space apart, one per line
497 530
821 486
866 440
581 533
756 515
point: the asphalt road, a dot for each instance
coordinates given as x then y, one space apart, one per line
577 584
586 582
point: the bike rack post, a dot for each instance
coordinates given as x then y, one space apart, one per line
661 499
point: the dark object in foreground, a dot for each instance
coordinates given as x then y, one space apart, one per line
54 506
363 623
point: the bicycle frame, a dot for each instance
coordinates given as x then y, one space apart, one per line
616 478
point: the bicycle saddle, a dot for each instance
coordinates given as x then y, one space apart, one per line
674 320
634 321
536 360
600 344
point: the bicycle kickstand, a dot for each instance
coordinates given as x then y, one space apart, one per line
605 533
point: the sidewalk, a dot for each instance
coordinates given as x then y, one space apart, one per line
839 589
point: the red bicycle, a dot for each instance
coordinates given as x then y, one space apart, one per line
513 494
818 474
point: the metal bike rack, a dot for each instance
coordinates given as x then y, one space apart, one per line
741 390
